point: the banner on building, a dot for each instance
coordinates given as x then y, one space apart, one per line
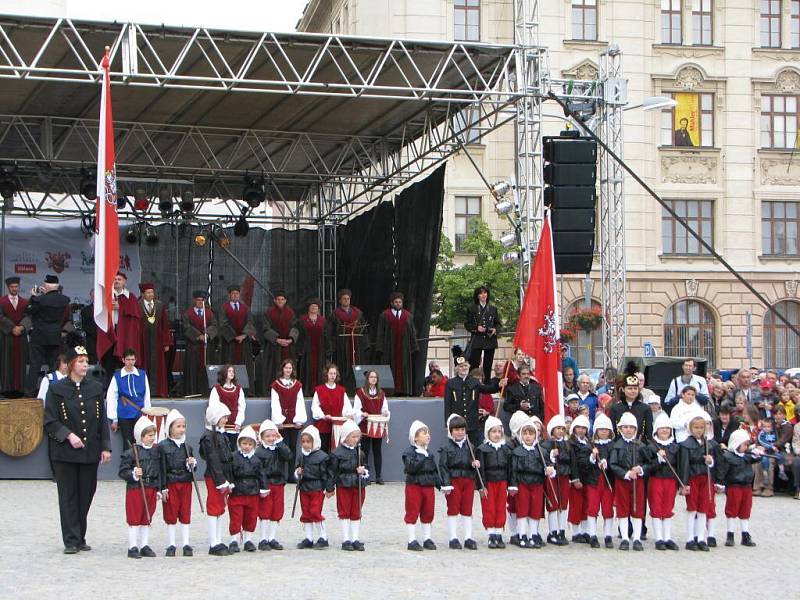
687 119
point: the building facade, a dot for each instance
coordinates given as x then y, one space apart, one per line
722 157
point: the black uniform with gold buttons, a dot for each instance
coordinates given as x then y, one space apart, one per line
79 409
461 397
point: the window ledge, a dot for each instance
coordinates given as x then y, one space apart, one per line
585 44
689 149
788 258
782 52
687 258
689 51
775 151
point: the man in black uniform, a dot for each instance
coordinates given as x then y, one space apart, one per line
525 395
90 328
49 314
482 321
631 401
461 397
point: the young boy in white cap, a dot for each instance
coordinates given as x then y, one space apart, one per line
629 461
177 464
494 457
312 477
696 459
736 472
249 484
422 476
558 453
654 402
274 455
580 451
514 423
348 477
141 463
600 483
662 486
457 468
530 470
214 449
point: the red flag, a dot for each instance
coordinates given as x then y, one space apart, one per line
106 240
538 327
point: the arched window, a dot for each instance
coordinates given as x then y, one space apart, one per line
689 331
781 345
587 346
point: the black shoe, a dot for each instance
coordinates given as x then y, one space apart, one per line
429 545
348 546
470 544
170 551
580 538
691 545
492 542
84 547
711 541
188 551
660 545
233 547
455 545
523 541
221 550
358 546
670 545
514 540
249 546
594 542
147 552
536 542
132 552
562 538
414 546
379 481
609 542
74 550
624 545
275 545
263 545
702 546
552 538
321 543
305 544
643 537
747 540
729 540
637 545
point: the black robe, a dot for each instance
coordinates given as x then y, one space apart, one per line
347 342
231 352
395 343
195 380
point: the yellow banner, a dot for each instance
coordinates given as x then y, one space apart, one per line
687 119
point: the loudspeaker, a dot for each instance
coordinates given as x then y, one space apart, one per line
240 370
570 196
385 377
572 219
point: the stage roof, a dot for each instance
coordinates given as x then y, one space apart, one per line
199 108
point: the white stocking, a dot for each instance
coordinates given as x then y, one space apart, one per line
411 528
512 523
591 526
637 528
171 535
213 540
533 527
466 523
552 521
264 527
623 529
667 529
426 531
345 523
133 536
691 517
354 527
185 534
658 525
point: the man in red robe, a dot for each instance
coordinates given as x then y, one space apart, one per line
14 326
280 334
127 332
236 333
396 342
156 340
346 334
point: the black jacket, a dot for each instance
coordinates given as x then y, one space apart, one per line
527 466
150 462
248 478
495 462
342 468
90 329
626 455
461 397
315 471
580 454
48 314
640 410
273 462
736 470
68 409
455 462
723 434
564 463
659 469
173 462
487 317
420 469
594 473
214 449
691 458
531 393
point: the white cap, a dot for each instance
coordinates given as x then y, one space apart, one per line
627 418
141 424
653 399
450 420
490 423
695 414
314 433
662 422
172 416
579 421
602 421
214 413
346 429
516 421
738 437
572 397
412 431
555 421
267 425
247 433
532 422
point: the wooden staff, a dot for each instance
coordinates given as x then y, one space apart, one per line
358 477
141 482
550 479
502 390
297 490
603 471
477 470
708 469
671 468
633 444
194 478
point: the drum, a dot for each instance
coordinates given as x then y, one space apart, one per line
377 426
337 423
158 415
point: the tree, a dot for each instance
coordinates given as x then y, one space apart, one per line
453 286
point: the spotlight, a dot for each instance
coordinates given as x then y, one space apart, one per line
241 227
165 201
200 239
8 188
509 240
140 199
150 235
253 192
510 258
88 185
187 202
131 236
500 189
224 240
122 203
504 207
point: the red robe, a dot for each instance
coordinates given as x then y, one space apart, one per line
155 338
126 334
397 341
311 346
331 401
14 347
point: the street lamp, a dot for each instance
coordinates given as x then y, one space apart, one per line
652 103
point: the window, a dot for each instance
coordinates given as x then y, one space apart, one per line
584 19
780 222
465 125
778 121
671 22
770 23
699 216
689 331
781 344
468 213
691 122
702 23
586 347
467 20
795 24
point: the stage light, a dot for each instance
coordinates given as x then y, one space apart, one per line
500 189
140 199
122 203
504 207
224 240
509 240
253 192
241 227
131 236
510 258
165 201
88 185
8 188
187 202
150 235
200 239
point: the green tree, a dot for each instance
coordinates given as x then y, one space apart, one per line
453 286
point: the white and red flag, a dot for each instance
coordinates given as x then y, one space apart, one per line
538 329
106 239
